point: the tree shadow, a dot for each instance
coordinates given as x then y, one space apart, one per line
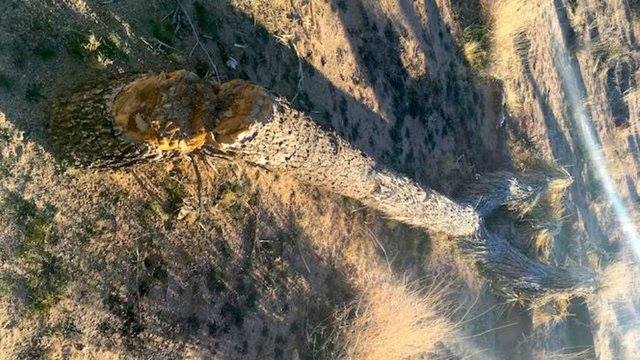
633 192
430 128
267 299
431 122
619 80
634 149
434 113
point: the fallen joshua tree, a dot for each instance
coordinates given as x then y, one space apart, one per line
146 117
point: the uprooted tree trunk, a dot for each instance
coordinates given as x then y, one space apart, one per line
158 115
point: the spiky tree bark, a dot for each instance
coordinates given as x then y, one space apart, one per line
520 194
167 114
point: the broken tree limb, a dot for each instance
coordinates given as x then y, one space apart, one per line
518 276
518 193
287 140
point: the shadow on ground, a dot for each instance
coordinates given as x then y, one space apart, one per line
428 128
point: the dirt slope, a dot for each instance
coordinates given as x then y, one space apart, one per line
211 259
146 262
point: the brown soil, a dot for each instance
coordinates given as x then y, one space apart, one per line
213 259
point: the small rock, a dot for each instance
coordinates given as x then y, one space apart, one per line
232 63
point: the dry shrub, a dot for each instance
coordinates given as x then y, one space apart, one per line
613 311
510 21
551 312
620 280
397 320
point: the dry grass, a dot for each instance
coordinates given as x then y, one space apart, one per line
445 259
562 355
620 280
396 320
523 150
551 312
613 311
510 21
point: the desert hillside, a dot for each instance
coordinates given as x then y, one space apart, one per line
357 179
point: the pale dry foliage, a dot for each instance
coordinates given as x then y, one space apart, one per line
547 216
397 320
613 311
544 224
540 238
562 355
543 215
510 20
551 312
547 199
620 280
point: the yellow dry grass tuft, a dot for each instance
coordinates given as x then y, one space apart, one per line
397 320
551 312
541 241
510 21
475 54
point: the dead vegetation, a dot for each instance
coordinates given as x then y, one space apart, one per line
397 320
171 248
620 280
510 21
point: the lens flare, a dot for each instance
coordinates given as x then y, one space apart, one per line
575 93
622 325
